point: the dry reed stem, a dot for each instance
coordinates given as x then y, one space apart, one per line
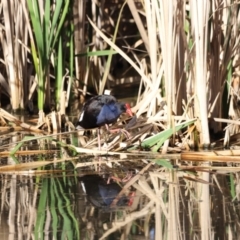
204 206
19 168
130 183
12 203
23 125
173 208
149 208
229 121
28 152
209 157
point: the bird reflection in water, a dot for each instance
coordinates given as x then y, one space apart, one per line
101 193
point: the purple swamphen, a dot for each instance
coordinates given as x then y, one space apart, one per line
100 193
101 110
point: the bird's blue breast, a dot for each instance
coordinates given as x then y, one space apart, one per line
108 114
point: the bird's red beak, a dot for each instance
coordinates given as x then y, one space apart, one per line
128 110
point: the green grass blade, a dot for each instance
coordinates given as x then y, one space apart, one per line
56 15
35 57
96 53
67 230
59 78
71 65
46 28
41 212
15 159
53 203
163 162
36 22
161 137
75 225
60 23
19 145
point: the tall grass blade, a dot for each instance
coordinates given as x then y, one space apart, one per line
161 137
41 211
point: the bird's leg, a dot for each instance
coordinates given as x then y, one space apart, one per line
125 133
127 177
99 140
99 148
117 130
123 180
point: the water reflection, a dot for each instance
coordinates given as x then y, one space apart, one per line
38 206
110 211
70 205
56 207
102 192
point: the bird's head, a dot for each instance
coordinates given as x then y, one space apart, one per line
128 109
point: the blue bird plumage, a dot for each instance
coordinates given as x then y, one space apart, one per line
109 113
101 110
